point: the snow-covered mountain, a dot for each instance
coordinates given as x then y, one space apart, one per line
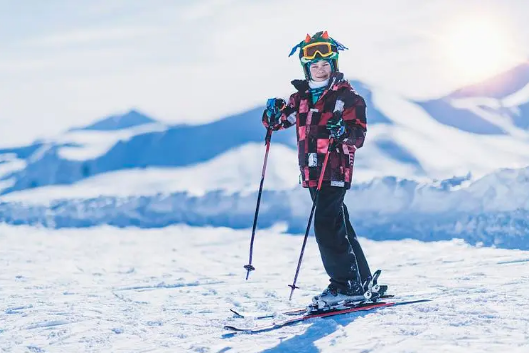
476 129
493 210
500 86
498 106
66 158
119 122
236 170
451 167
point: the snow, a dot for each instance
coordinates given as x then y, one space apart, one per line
132 118
444 151
9 164
518 98
91 144
490 110
419 141
105 289
492 210
502 191
235 170
373 162
438 150
6 184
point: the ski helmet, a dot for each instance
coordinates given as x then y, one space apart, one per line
318 47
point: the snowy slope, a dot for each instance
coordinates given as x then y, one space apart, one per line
405 139
170 290
45 161
9 163
80 154
234 171
95 140
418 176
83 145
477 129
499 86
493 211
440 150
497 106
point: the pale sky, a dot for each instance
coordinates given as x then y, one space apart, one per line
68 63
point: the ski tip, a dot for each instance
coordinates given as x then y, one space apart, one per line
423 300
234 329
229 334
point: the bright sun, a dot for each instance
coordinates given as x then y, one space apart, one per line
478 49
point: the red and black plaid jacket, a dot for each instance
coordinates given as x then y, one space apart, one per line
313 136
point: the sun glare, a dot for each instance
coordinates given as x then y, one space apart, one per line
477 49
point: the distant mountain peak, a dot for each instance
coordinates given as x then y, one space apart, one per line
118 122
499 86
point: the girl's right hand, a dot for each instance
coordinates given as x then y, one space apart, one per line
272 114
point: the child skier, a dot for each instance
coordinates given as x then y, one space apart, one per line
324 106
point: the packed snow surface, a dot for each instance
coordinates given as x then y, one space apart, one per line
106 289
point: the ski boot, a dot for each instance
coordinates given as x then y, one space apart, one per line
334 297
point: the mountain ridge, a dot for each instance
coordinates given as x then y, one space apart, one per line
402 139
386 208
118 122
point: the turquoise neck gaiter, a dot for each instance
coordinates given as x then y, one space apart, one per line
317 89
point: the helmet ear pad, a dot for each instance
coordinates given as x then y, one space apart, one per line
306 67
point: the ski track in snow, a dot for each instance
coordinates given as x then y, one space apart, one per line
106 289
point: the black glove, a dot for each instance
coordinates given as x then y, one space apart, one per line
336 126
274 106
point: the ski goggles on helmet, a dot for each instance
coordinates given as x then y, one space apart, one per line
324 49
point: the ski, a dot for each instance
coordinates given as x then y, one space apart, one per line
289 312
289 321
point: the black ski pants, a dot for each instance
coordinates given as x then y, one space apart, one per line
341 253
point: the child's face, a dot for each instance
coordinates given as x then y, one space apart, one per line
320 70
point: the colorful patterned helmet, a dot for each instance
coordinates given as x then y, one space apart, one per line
319 46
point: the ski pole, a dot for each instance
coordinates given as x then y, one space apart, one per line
268 137
293 285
